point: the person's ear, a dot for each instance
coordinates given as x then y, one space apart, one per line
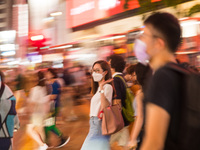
160 44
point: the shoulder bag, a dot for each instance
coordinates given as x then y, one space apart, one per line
112 120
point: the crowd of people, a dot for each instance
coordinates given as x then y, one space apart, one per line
156 87
160 104
38 94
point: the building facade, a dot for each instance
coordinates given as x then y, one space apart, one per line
5 15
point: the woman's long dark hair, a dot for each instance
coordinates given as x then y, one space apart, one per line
53 72
41 79
105 67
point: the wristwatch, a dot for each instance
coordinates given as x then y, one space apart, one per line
101 91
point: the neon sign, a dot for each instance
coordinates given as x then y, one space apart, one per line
108 4
80 12
82 8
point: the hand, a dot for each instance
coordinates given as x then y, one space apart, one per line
132 145
117 101
104 82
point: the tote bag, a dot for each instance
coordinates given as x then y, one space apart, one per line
112 120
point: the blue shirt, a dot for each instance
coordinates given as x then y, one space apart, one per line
56 91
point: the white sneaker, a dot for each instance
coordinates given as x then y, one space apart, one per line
44 147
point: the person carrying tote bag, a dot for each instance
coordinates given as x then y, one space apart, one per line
102 91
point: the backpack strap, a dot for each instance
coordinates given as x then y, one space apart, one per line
178 68
2 89
122 80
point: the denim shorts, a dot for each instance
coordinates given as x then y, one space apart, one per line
95 140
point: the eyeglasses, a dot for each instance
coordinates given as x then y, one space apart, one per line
95 70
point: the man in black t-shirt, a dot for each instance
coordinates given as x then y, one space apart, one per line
160 40
117 64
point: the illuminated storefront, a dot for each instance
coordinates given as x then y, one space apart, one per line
86 11
95 20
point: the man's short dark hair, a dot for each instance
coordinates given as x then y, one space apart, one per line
168 26
117 62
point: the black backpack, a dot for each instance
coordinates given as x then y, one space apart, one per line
189 131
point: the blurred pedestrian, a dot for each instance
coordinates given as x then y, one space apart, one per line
80 78
55 88
160 40
39 103
131 78
69 95
140 74
55 97
19 90
117 64
68 77
102 91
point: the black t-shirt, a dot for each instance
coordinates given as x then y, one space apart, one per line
165 91
120 90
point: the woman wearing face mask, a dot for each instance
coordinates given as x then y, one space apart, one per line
102 97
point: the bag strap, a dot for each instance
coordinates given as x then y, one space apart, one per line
100 115
2 89
122 80
178 68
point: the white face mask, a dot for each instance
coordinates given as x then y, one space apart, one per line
97 76
140 52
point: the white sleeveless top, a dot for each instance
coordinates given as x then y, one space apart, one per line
95 104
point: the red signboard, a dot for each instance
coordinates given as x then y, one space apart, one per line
80 12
